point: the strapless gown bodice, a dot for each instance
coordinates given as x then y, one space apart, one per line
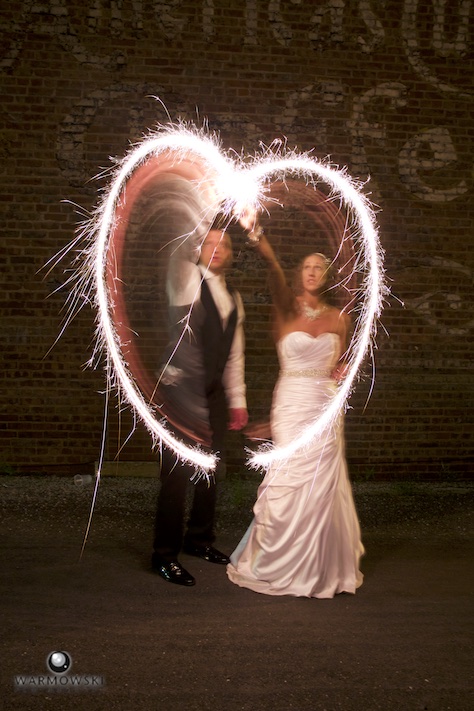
299 350
304 539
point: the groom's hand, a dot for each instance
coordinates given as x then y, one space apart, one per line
238 418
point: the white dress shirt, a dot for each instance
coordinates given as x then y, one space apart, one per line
189 292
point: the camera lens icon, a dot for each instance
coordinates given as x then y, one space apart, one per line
59 662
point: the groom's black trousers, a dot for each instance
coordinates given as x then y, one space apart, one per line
175 480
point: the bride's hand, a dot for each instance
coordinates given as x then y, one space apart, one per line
257 239
258 430
248 219
340 372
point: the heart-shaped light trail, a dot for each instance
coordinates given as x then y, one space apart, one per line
238 184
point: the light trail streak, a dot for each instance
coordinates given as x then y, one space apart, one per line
236 183
373 287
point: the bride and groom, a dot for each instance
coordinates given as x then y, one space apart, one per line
304 539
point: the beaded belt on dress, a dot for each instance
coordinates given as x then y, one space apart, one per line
309 373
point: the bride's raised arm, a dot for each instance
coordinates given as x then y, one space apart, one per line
282 295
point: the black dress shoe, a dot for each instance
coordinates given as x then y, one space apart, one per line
172 571
208 553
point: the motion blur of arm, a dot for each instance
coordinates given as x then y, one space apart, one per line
188 229
184 277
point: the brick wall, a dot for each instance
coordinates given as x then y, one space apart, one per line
382 87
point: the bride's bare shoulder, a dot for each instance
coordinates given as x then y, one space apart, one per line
337 315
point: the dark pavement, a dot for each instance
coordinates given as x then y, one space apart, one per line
404 641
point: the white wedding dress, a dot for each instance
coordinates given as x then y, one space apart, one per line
304 539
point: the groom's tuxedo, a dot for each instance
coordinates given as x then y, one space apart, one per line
209 363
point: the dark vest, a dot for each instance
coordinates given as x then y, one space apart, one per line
195 400
216 341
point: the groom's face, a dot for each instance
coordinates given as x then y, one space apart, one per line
216 251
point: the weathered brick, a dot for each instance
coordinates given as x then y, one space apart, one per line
388 99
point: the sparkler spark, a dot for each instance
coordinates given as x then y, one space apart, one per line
234 184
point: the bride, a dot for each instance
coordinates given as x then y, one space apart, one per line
304 539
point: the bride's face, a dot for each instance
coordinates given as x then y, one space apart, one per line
313 273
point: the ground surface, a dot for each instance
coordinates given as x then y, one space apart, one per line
403 641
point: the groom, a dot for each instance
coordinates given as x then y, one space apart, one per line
210 365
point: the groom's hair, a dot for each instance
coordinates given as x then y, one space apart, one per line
221 221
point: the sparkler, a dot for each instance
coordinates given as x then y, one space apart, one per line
233 185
